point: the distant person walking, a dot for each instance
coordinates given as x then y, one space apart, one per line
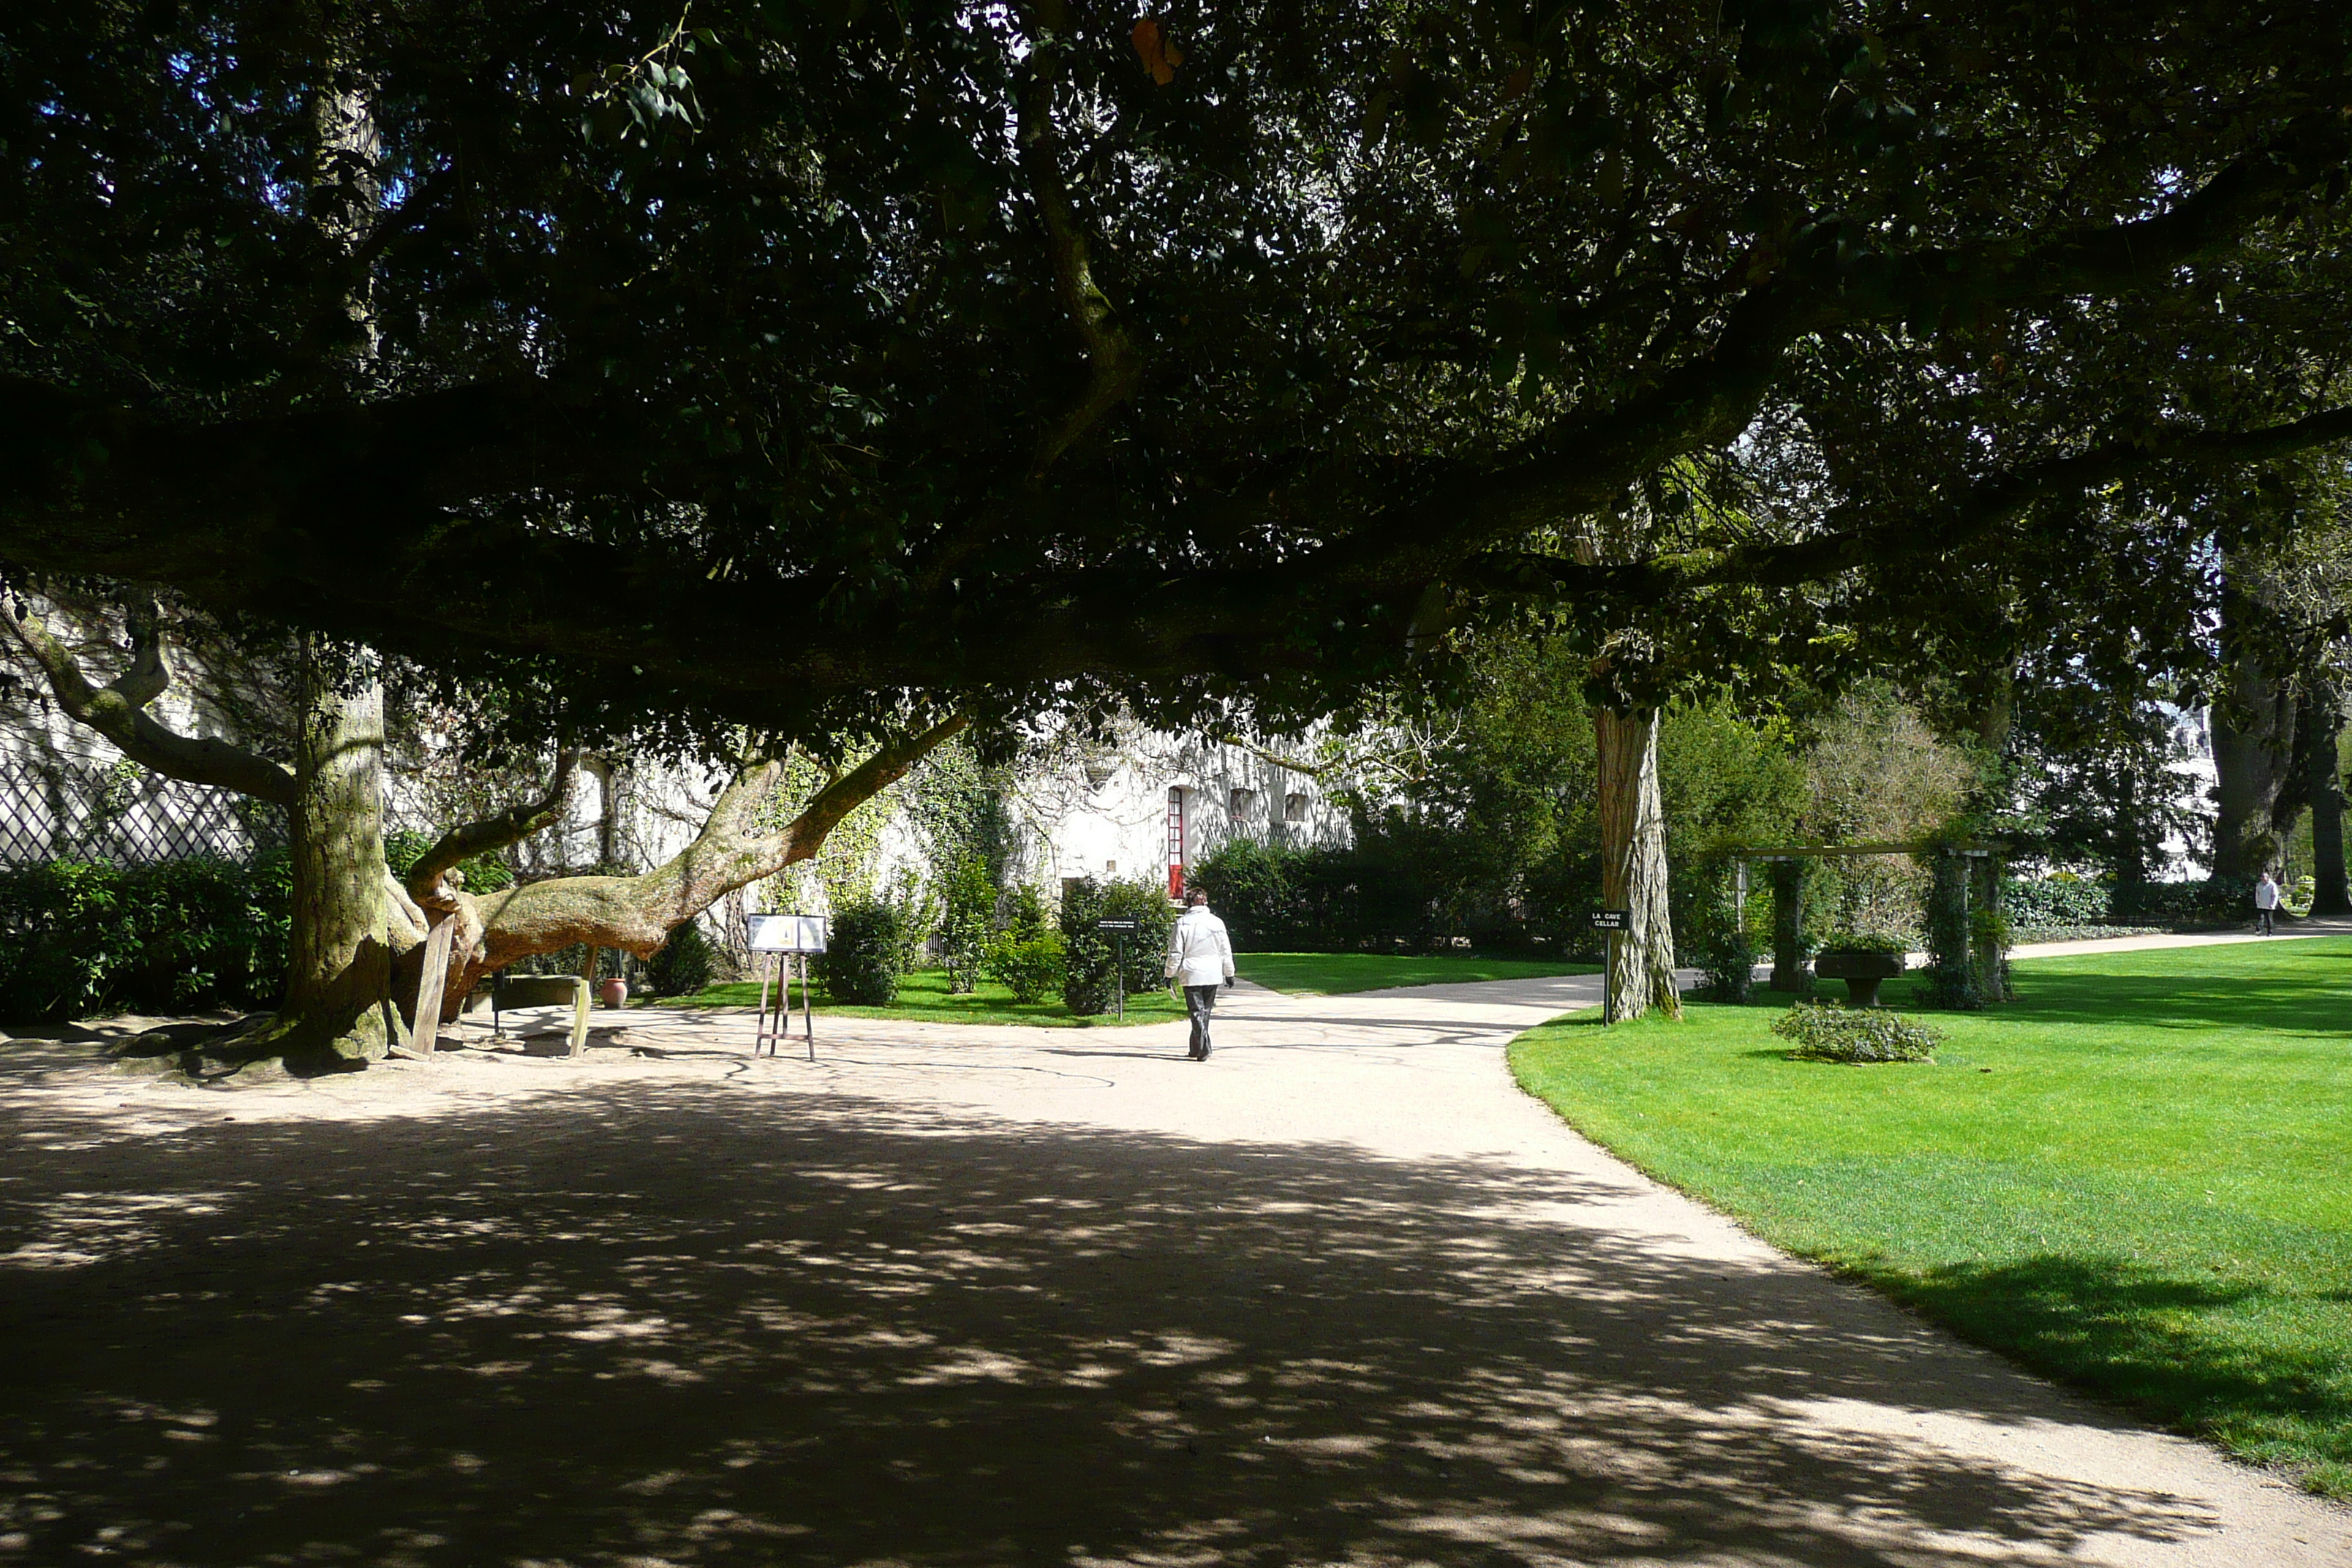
1200 959
2266 903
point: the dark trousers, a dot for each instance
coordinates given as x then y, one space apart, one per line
1200 1001
2263 921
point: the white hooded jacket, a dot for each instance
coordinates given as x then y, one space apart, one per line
1198 951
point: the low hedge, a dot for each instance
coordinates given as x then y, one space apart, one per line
2060 900
1828 1032
79 938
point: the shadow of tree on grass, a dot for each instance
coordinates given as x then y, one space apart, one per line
2126 1332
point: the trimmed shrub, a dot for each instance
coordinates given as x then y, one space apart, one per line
861 964
1031 967
79 938
2217 901
1828 1032
2060 900
683 964
969 905
2072 933
1091 958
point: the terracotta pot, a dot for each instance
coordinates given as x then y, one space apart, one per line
613 993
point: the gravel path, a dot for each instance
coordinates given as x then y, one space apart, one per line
1342 1295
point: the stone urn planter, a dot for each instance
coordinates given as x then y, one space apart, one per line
613 993
1862 972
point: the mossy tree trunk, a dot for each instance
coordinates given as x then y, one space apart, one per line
339 975
1633 865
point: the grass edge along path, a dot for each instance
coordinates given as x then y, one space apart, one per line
2129 1180
1339 974
924 998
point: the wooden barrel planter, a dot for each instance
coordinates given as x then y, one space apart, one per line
1862 972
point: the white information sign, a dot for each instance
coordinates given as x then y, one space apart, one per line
785 933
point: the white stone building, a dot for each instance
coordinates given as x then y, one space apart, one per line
1151 806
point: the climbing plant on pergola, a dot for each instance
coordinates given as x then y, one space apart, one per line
1969 875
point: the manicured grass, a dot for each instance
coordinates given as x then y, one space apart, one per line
1336 973
2134 1179
924 997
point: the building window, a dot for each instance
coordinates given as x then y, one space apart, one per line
1294 809
1243 804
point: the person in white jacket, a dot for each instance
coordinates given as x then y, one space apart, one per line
2266 903
1200 959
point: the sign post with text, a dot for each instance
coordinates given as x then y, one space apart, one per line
1610 921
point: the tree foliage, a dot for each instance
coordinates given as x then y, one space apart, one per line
811 358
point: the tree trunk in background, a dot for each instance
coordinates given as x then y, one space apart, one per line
1789 927
2253 751
2131 857
2323 729
1633 865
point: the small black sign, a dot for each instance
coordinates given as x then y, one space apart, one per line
1613 919
1120 928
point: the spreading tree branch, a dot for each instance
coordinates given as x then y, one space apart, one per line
470 840
1956 519
637 913
119 710
1588 459
1113 365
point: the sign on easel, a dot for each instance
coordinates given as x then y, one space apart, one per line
791 938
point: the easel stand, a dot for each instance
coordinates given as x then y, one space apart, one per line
776 1023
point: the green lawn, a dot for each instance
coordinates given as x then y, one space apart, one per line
924 995
2137 1179
1336 973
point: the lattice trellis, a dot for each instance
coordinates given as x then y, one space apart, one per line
53 808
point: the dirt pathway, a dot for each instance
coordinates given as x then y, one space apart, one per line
1341 1295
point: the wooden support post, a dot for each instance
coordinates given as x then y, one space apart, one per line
424 1034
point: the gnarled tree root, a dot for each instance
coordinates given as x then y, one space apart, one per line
266 1047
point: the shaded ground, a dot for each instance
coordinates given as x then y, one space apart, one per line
980 1297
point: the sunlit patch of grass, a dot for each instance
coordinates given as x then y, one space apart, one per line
924 998
1337 974
2132 1179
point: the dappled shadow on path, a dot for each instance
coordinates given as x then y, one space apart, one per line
695 1323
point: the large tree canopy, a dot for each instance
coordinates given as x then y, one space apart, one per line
769 358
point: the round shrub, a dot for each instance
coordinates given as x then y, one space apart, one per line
1091 971
1031 967
1828 1032
859 967
683 966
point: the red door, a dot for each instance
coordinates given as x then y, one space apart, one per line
1176 843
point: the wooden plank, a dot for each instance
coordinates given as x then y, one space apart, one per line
424 1038
580 1019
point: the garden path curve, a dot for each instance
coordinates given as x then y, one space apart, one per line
962 1295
